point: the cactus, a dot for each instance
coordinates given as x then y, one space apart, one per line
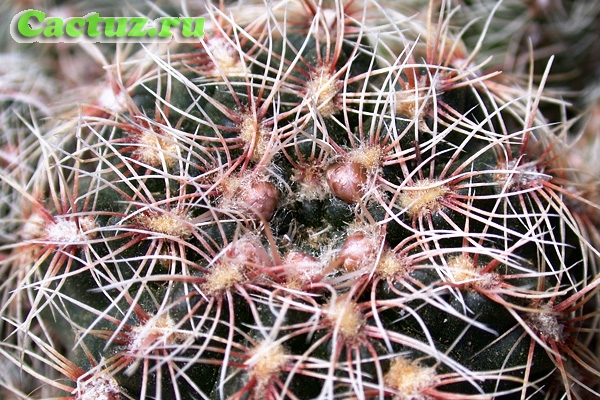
320 199
530 34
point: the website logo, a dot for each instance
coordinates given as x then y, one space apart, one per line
34 26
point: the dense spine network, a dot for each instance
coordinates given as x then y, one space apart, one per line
319 199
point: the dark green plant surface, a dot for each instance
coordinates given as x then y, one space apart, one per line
317 200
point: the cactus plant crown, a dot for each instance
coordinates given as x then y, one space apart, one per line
319 199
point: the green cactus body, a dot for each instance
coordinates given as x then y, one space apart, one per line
315 201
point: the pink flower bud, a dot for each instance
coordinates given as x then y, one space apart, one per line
260 197
347 180
358 250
